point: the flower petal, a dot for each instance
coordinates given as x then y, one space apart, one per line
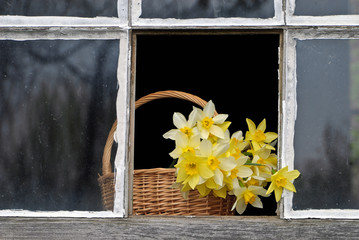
278 193
179 120
251 126
271 188
227 164
219 149
181 175
205 148
244 172
262 125
257 203
220 118
291 175
171 134
193 181
216 131
270 136
205 171
194 116
290 186
209 109
241 206
218 177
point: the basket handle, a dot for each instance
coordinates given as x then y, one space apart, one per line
106 164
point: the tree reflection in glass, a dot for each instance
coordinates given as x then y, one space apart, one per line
57 104
185 9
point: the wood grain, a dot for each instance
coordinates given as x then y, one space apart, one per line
178 228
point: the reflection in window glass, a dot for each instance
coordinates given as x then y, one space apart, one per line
57 104
184 9
79 8
327 125
326 7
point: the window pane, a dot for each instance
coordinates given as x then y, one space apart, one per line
326 7
57 104
327 125
79 8
184 9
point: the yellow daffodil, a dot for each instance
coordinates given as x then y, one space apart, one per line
247 196
208 124
282 179
258 137
216 160
184 126
193 170
237 145
185 144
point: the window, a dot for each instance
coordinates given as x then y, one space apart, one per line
99 56
324 123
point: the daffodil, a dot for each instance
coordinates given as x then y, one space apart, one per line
258 137
208 123
245 196
216 160
266 162
184 126
237 145
185 144
193 170
282 179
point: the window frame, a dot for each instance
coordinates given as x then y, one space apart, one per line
62 28
289 117
137 22
333 20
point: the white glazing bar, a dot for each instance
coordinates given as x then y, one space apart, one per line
122 133
288 118
340 20
289 111
57 214
122 10
136 9
51 33
25 21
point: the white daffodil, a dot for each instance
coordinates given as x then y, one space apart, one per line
208 124
184 126
248 195
185 144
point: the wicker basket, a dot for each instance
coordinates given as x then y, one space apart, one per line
152 192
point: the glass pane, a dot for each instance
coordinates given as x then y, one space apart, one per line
184 9
326 7
327 125
79 8
57 104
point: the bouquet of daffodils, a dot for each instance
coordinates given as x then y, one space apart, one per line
209 159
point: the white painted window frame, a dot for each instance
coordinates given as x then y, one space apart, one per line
136 21
335 20
289 114
294 27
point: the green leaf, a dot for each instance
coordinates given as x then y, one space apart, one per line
254 164
240 183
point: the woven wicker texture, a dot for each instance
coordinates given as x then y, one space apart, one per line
153 195
152 192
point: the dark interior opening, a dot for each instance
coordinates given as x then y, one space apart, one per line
238 72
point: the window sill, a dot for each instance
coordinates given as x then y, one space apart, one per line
182 227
